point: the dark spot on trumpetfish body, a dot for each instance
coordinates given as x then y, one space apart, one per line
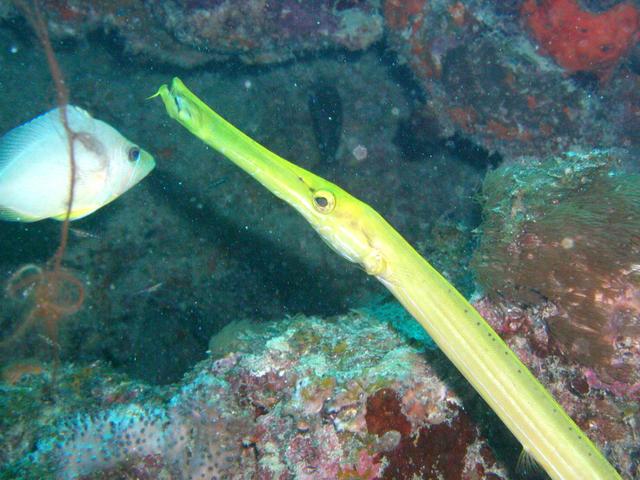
325 108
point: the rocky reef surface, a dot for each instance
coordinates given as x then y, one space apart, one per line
339 398
356 396
191 33
517 77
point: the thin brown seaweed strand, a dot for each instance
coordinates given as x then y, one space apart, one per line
49 282
36 18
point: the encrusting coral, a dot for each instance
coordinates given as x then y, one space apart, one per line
565 231
311 398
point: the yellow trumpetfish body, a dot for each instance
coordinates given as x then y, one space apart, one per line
361 235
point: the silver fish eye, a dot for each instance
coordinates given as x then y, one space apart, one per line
134 154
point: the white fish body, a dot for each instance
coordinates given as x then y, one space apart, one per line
35 167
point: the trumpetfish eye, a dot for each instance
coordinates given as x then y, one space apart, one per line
324 201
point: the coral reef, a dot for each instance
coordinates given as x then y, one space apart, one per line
170 264
265 32
191 436
191 33
515 77
558 261
607 412
343 398
15 371
563 233
339 398
487 74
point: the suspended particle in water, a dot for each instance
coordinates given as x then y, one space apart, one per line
360 152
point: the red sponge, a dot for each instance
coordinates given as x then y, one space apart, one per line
583 41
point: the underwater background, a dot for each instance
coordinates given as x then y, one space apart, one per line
220 338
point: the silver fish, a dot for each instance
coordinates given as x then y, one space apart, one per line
35 167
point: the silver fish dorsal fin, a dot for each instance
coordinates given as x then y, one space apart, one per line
11 215
17 142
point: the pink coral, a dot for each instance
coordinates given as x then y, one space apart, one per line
367 468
